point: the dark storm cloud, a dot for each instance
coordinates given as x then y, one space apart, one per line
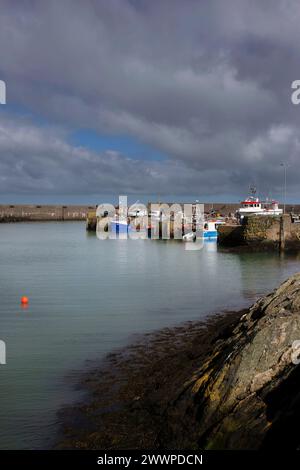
207 83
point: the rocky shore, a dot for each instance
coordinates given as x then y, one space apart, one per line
229 383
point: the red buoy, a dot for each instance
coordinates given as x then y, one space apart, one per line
24 300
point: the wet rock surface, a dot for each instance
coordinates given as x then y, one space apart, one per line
229 383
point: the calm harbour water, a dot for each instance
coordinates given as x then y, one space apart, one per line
88 297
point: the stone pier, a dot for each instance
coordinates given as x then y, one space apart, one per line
262 232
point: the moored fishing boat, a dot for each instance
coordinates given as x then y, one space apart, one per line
254 206
209 232
119 226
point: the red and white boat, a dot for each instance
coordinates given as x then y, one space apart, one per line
253 206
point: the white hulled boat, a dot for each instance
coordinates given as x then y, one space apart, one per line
254 206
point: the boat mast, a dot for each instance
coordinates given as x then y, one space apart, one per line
252 189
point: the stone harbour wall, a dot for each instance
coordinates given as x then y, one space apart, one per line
23 213
262 232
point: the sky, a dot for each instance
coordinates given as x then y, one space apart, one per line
181 99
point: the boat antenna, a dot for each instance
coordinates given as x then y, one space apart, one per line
252 189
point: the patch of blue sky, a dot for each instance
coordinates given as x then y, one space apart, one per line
126 145
20 111
98 142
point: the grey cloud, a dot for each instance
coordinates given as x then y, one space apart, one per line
206 83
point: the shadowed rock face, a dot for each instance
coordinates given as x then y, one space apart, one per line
228 383
247 393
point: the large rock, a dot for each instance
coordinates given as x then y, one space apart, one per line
230 383
247 393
